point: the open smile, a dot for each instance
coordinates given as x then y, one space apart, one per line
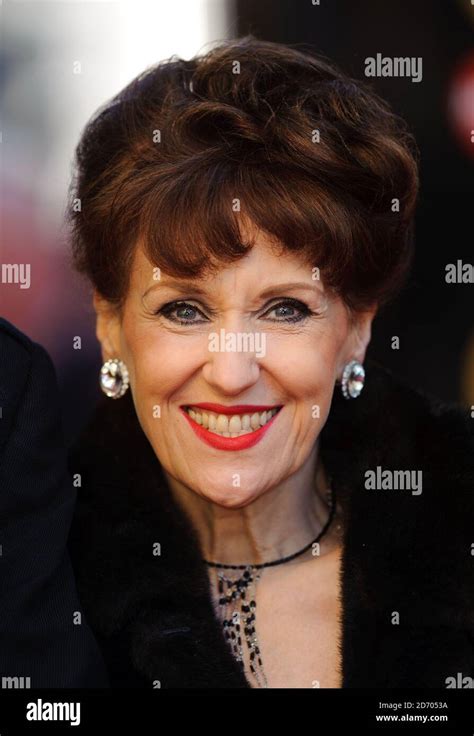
230 428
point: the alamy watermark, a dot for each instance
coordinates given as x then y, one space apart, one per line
459 681
47 711
394 66
15 682
16 273
380 479
459 273
238 342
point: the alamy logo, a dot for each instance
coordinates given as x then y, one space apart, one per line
47 711
9 683
459 681
17 273
237 342
459 273
380 479
394 66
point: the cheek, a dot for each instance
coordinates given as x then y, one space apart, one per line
311 363
158 361
309 373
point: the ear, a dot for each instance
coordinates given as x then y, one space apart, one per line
360 334
107 328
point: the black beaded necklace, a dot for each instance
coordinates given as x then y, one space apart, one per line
243 588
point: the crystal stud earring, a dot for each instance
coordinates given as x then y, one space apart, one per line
114 380
353 377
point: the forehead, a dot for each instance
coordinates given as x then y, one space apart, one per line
265 262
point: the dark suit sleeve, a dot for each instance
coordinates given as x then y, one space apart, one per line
43 633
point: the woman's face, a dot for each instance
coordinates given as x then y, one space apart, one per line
262 332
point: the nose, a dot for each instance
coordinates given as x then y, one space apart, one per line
233 367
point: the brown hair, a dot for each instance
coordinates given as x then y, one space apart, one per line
313 157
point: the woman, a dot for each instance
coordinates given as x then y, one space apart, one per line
260 506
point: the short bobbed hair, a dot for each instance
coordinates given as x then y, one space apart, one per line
250 130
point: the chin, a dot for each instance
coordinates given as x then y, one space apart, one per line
233 498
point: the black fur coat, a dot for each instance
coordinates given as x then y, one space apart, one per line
413 554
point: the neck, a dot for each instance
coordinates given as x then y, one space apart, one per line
279 523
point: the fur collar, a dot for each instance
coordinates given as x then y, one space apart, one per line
405 553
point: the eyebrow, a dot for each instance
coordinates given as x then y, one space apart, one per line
191 286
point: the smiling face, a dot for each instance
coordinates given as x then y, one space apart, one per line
262 333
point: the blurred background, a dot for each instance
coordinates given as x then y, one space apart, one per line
59 61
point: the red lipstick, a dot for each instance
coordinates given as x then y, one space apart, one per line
230 443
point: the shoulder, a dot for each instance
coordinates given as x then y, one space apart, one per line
395 421
27 381
424 434
16 345
430 433
20 355
419 510
395 433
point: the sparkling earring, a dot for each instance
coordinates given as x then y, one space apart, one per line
353 377
114 380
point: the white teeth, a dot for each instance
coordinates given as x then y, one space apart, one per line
235 424
222 423
255 421
231 426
